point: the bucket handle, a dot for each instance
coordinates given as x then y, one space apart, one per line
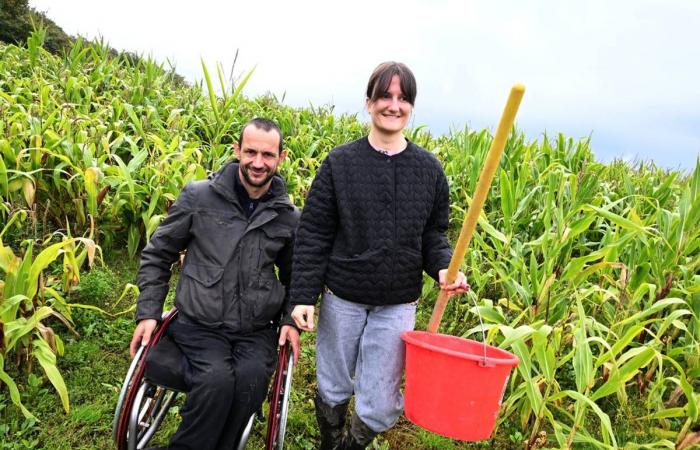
485 362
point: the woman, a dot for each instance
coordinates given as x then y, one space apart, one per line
374 220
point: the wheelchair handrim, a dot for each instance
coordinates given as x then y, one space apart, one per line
275 400
285 403
246 434
123 391
122 421
132 440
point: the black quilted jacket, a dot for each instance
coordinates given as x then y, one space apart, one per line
371 224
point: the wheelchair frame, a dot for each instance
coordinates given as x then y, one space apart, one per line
142 405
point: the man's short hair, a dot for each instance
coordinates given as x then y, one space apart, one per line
262 124
380 80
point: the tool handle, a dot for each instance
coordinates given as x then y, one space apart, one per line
438 311
493 158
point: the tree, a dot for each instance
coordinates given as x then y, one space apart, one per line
17 20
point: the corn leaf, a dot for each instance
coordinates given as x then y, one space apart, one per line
12 387
618 378
42 352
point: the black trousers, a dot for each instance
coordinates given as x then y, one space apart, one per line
228 374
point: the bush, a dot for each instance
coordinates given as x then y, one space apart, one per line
97 287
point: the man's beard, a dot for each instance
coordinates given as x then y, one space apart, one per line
246 176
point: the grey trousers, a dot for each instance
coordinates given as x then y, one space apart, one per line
359 350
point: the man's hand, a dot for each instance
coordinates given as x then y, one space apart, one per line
289 333
459 286
303 316
142 334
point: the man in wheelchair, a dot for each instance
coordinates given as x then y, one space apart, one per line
235 227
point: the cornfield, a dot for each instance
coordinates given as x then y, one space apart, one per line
587 272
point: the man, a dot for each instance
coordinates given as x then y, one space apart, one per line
374 220
236 226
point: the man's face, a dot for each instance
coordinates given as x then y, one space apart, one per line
258 155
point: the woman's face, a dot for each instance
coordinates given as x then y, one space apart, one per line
391 111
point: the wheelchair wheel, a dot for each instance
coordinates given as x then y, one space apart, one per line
150 405
141 406
279 400
123 393
246 433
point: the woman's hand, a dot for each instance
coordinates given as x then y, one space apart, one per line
459 286
303 316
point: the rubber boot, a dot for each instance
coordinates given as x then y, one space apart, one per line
359 436
331 420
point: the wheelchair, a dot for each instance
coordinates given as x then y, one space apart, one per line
155 378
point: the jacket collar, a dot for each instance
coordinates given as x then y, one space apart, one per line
223 183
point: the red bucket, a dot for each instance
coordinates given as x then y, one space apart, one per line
454 386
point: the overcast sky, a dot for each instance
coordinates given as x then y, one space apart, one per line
626 72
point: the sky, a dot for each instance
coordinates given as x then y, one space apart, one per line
625 73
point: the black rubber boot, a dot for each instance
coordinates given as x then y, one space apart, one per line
359 436
331 420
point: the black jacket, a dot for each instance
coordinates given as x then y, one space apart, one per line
228 276
371 224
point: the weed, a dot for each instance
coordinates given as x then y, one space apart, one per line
97 287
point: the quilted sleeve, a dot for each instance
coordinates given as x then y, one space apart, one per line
314 239
436 249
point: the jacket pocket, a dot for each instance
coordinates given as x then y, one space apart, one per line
370 270
276 230
408 268
273 238
201 292
269 295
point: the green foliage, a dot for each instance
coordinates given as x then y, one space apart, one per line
96 287
28 299
433 441
18 433
18 20
587 272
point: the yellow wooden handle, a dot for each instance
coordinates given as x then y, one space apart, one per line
493 158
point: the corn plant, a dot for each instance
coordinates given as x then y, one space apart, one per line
29 298
586 271
597 294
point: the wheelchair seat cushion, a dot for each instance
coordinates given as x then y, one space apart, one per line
164 365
